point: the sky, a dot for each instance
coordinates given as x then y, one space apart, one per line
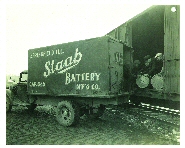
37 25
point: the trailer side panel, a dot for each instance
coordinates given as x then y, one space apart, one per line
79 68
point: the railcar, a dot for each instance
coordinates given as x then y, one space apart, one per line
156 30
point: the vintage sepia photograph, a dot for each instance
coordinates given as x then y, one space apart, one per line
92 73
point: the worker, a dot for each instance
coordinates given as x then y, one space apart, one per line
153 65
134 74
157 80
126 75
136 68
147 65
158 63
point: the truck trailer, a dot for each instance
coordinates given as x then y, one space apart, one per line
77 77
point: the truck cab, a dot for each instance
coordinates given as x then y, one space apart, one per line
23 77
17 93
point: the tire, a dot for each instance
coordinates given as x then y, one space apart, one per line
8 104
67 113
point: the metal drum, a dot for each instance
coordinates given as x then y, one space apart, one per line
142 81
157 82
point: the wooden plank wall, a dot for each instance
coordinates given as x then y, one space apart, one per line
172 49
123 33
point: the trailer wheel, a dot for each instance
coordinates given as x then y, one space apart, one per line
100 112
67 113
8 104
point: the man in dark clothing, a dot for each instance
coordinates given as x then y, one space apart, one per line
153 65
134 74
147 64
158 63
136 68
126 75
157 75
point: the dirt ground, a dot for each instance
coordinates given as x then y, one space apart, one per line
41 128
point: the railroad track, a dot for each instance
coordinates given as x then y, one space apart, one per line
166 115
162 121
160 109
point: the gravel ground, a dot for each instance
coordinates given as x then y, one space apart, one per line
41 128
162 129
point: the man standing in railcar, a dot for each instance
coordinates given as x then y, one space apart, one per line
153 66
157 77
159 63
134 73
136 68
147 65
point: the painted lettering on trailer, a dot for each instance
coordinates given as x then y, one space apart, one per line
46 53
62 66
81 77
37 84
119 58
82 80
87 86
